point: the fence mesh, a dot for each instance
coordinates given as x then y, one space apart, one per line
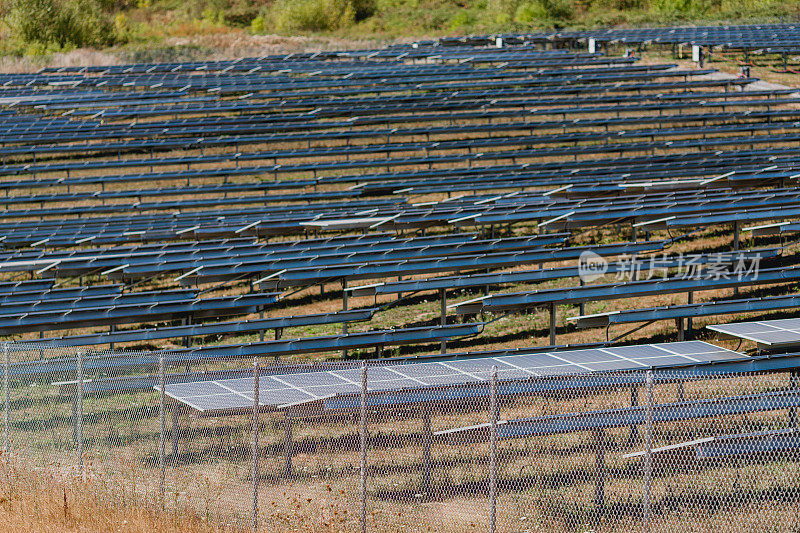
667 450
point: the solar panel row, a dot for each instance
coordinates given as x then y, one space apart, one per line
290 390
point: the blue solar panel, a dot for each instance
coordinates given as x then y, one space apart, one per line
279 391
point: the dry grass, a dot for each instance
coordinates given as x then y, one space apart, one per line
38 502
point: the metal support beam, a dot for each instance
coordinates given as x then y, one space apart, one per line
689 322
552 324
679 325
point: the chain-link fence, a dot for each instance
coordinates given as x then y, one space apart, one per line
666 450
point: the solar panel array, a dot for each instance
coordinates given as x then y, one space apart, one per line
782 38
301 222
774 38
155 202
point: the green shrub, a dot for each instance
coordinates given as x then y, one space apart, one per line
462 19
213 16
530 12
681 9
618 5
59 24
501 9
539 11
258 25
319 15
560 9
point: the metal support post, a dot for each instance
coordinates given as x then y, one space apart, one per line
79 415
176 431
736 247
162 414
552 324
648 453
493 455
426 451
363 435
287 444
689 322
254 450
633 435
600 471
6 401
794 384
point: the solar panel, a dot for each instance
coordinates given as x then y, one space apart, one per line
288 390
274 348
774 38
719 307
213 328
772 333
613 291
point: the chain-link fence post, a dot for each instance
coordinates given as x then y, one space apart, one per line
493 455
363 434
427 437
6 401
794 384
79 414
254 451
162 415
287 445
648 452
